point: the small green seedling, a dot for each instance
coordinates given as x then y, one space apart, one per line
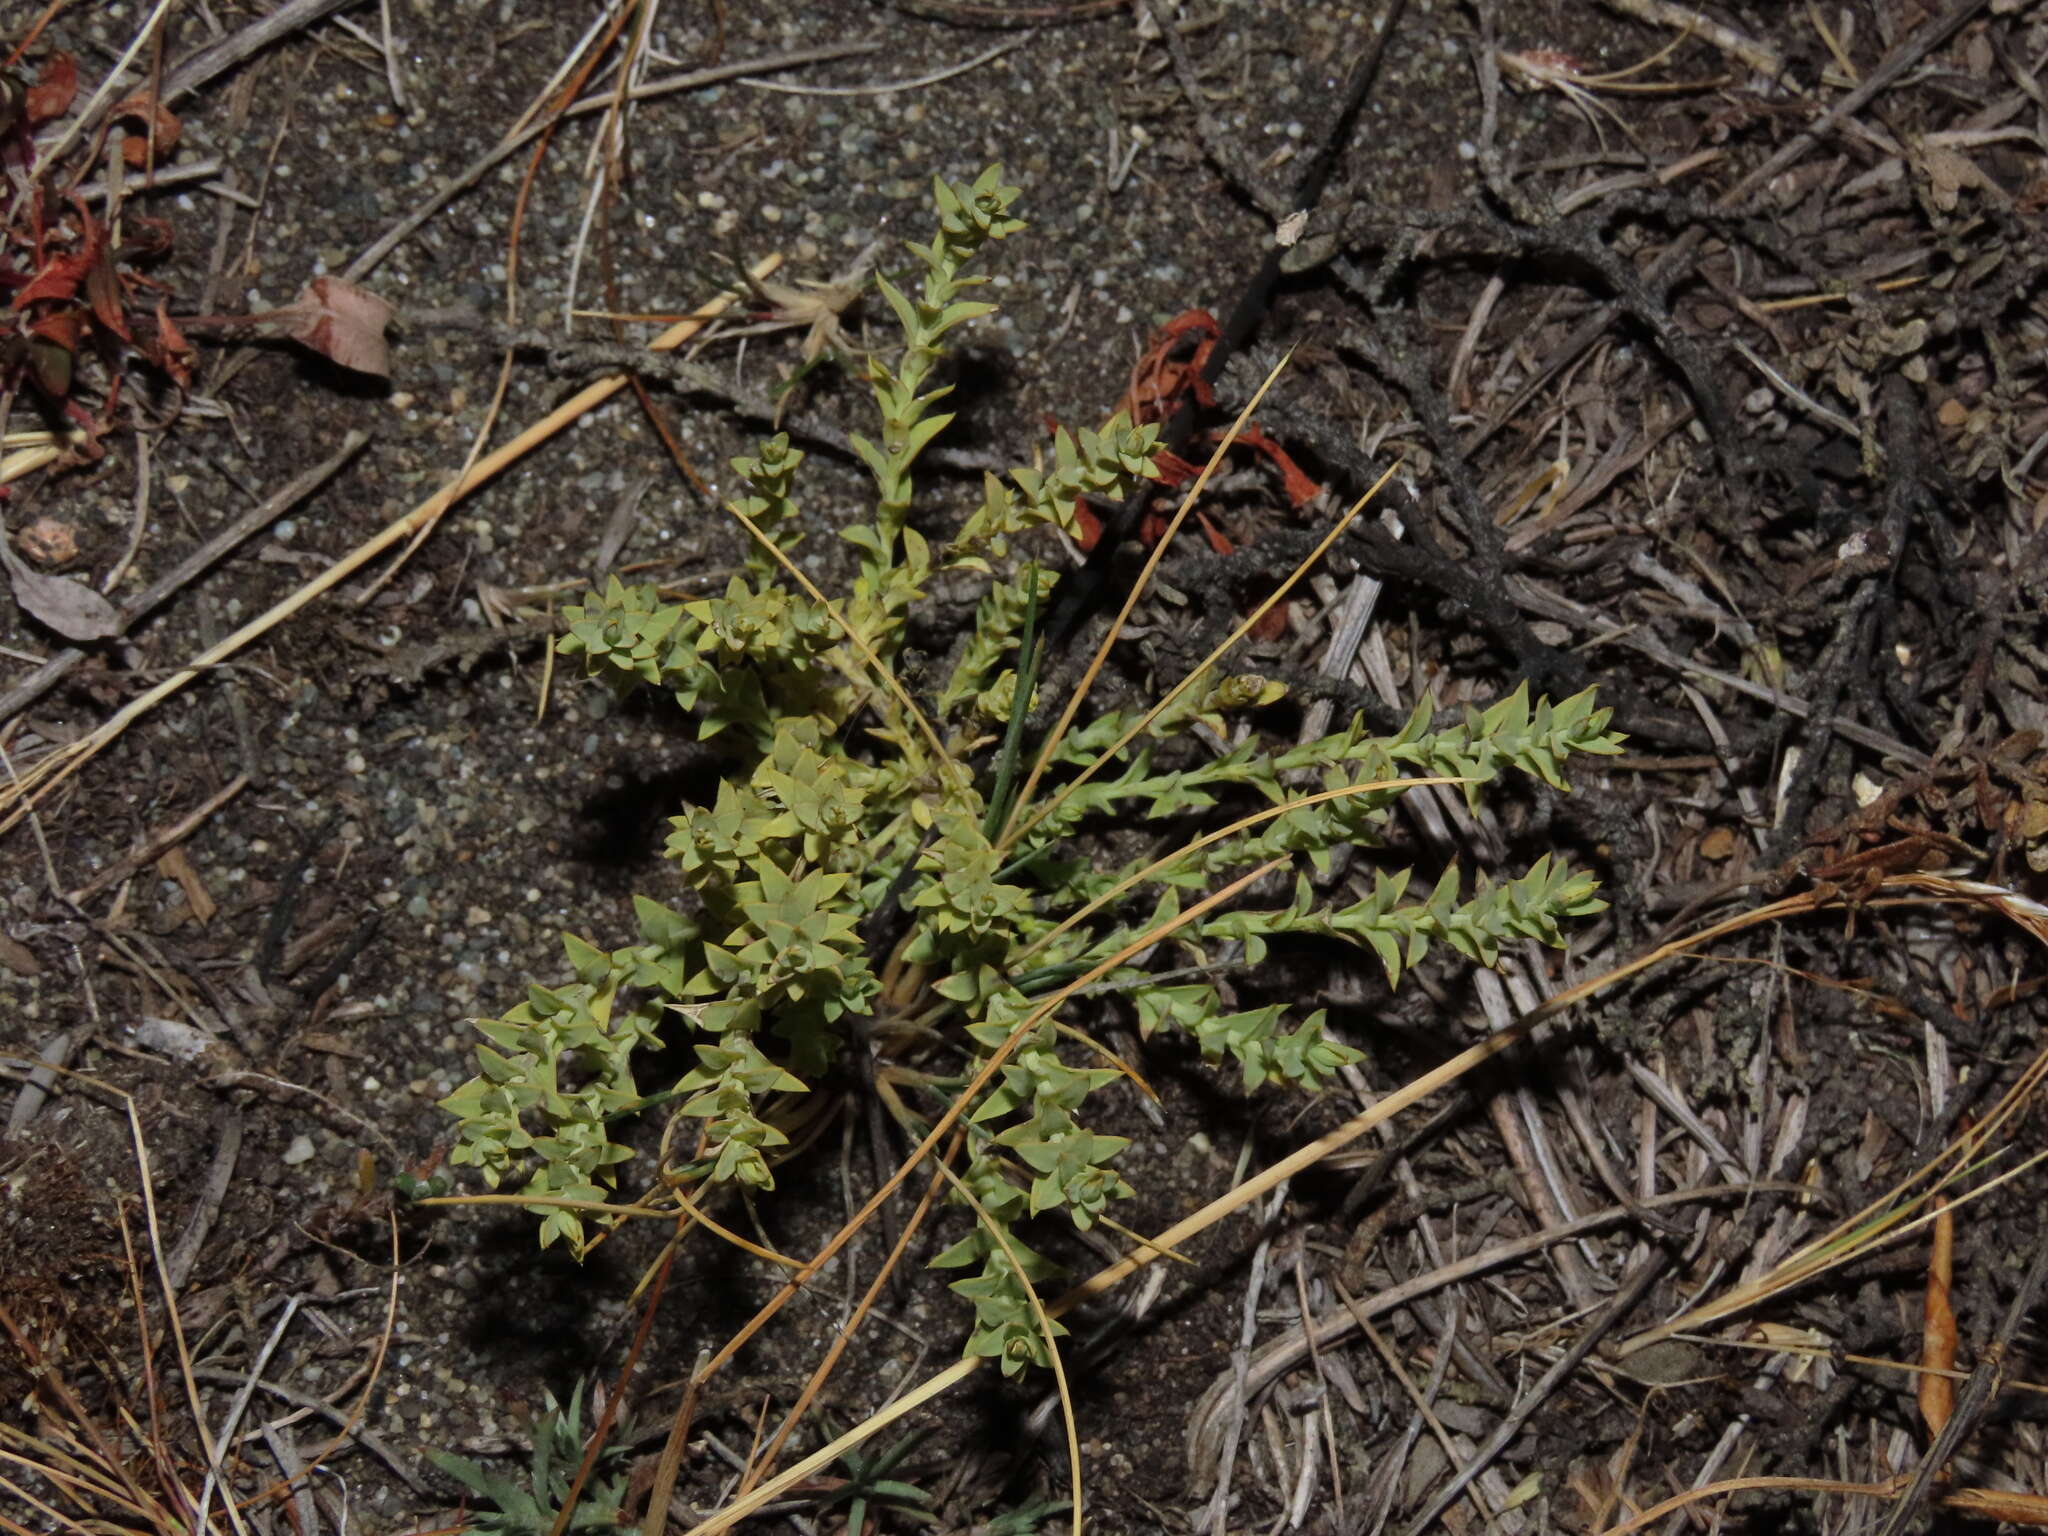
531 1506
869 1481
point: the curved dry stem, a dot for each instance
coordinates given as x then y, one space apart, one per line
761 1466
1871 1228
1691 1496
347 1427
1892 1215
177 1326
1109 1058
1278 1356
1174 1237
188 1377
96 1471
558 110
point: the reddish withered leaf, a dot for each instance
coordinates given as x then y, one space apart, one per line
59 279
52 94
138 112
145 237
340 321
172 352
103 292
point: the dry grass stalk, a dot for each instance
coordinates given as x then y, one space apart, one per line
1692 21
1937 1390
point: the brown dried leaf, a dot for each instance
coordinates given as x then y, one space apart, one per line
71 608
143 109
1948 172
341 322
18 957
51 95
171 351
48 541
173 865
103 293
1995 1504
1938 1330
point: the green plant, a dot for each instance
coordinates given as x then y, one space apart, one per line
866 875
1023 1521
531 1507
869 1481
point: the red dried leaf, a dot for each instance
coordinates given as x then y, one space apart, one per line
103 292
60 326
61 275
172 352
143 109
1153 525
1174 471
90 448
1301 490
1088 527
1158 381
339 321
1272 624
146 238
52 94
58 280
1218 541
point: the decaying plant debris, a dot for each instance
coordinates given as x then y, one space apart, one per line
1709 344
